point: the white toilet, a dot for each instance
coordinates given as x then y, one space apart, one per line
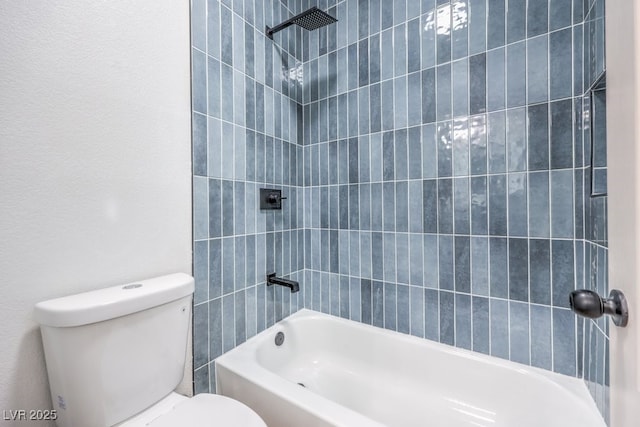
115 355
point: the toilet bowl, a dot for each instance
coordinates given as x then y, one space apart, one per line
127 345
202 410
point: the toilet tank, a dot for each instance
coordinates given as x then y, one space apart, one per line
113 352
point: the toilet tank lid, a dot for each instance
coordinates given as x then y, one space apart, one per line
116 301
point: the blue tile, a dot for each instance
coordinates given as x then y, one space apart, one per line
403 313
497 142
562 271
518 270
564 342
200 208
463 321
377 304
445 206
199 146
447 317
201 271
560 14
215 210
429 152
498 267
480 322
462 264
389 220
429 95
402 258
416 302
444 139
355 299
431 315
365 295
240 317
390 306
496 85
199 81
517 190
443 36
538 58
201 380
413 43
430 251
428 38
459 33
446 253
538 136
519 332
540 267
561 131
399 50
537 18
539 210
215 328
479 218
415 206
401 154
389 257
228 332
215 268
561 184
499 322
541 337
198 24
460 149
560 84
477 26
496 20
516 74
477 84
461 205
497 205
480 266
443 92
200 335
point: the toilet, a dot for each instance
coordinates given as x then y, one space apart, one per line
115 356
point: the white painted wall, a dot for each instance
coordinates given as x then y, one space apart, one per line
95 185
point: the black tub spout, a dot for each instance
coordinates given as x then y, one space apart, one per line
291 284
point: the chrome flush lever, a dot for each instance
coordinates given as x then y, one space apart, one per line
589 304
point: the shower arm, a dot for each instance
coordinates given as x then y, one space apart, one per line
271 31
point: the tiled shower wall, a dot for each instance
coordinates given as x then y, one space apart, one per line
246 127
440 170
435 155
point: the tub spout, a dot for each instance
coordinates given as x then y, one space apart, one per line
291 284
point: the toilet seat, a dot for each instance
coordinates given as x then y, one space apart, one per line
209 410
202 410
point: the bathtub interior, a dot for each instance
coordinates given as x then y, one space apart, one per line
395 379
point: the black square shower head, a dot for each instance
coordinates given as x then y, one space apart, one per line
310 20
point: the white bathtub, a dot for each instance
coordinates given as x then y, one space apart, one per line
359 375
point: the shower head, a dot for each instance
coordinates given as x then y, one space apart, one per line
311 19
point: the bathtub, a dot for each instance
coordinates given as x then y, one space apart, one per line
330 371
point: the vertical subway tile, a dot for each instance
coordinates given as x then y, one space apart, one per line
540 267
518 269
541 337
560 58
564 339
498 267
463 330
431 314
537 60
496 85
477 26
516 74
499 322
519 343
496 23
537 18
539 209
462 264
447 317
562 271
480 322
517 204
